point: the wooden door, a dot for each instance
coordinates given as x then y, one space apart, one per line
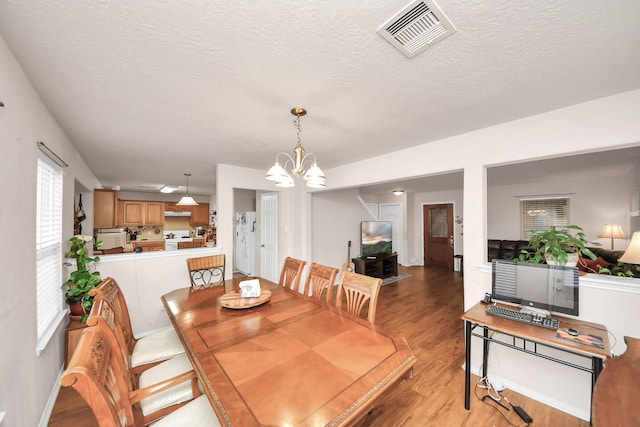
438 235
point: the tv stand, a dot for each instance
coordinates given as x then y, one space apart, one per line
381 265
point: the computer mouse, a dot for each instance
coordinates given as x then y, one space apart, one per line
573 332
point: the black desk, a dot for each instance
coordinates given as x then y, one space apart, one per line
534 336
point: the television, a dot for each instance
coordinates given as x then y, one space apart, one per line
375 238
552 288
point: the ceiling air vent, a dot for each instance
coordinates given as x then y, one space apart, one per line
416 27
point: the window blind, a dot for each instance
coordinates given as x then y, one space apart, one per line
49 254
542 214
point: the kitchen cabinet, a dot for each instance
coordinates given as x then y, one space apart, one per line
199 214
142 213
173 207
148 245
104 208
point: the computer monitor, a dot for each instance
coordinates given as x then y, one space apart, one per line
553 288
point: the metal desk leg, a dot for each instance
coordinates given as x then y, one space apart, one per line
597 365
485 352
467 364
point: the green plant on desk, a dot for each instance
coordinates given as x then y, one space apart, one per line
556 244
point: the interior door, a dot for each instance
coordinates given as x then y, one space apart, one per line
269 237
438 235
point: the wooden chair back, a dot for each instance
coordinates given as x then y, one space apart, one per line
96 373
109 290
188 245
320 280
207 270
103 318
291 273
359 289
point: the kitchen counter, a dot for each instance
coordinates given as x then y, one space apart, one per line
144 277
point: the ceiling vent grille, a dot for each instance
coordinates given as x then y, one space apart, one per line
417 27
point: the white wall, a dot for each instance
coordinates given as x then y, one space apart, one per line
594 203
26 380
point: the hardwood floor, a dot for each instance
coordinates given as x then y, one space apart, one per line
425 309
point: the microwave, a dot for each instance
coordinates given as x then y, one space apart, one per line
112 240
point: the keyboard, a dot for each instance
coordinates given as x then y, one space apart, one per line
519 316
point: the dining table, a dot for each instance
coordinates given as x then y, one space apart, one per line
284 359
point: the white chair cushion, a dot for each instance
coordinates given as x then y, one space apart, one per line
197 413
160 345
164 371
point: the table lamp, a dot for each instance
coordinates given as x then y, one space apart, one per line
613 231
632 254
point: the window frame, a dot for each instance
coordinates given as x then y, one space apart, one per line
50 310
556 211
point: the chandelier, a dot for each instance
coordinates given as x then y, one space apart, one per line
314 177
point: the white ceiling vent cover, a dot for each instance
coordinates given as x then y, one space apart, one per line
416 27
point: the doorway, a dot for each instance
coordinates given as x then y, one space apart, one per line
437 229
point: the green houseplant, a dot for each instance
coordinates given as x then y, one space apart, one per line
557 246
84 278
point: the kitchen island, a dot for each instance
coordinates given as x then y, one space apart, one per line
144 277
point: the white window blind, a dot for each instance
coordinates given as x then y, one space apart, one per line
49 257
541 214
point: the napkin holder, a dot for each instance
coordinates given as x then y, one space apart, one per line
250 288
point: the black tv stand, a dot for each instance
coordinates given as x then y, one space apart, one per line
381 265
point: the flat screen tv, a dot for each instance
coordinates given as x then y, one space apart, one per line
375 238
552 288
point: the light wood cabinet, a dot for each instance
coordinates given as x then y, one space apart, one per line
173 207
148 246
199 214
104 208
142 213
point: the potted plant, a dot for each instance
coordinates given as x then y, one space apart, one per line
83 279
558 246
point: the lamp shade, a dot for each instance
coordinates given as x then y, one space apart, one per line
632 254
613 231
187 201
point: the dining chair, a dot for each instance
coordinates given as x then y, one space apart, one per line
320 280
150 349
291 273
357 290
103 318
97 374
206 270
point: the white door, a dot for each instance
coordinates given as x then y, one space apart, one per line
269 237
393 212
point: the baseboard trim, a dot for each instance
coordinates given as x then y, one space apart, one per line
48 409
542 398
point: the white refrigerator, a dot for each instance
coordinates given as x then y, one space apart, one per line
245 258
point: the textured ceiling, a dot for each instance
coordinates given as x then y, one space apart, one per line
149 90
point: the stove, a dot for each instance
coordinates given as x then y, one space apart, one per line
171 244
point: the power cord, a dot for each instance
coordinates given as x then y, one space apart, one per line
493 399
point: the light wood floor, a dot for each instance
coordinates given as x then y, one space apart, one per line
426 310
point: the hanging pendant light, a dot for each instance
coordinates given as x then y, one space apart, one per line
187 200
314 177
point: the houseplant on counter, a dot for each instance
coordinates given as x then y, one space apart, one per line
83 279
563 246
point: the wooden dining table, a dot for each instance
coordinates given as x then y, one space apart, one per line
290 361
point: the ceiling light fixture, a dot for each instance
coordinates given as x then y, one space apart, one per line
398 192
168 188
187 200
314 177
